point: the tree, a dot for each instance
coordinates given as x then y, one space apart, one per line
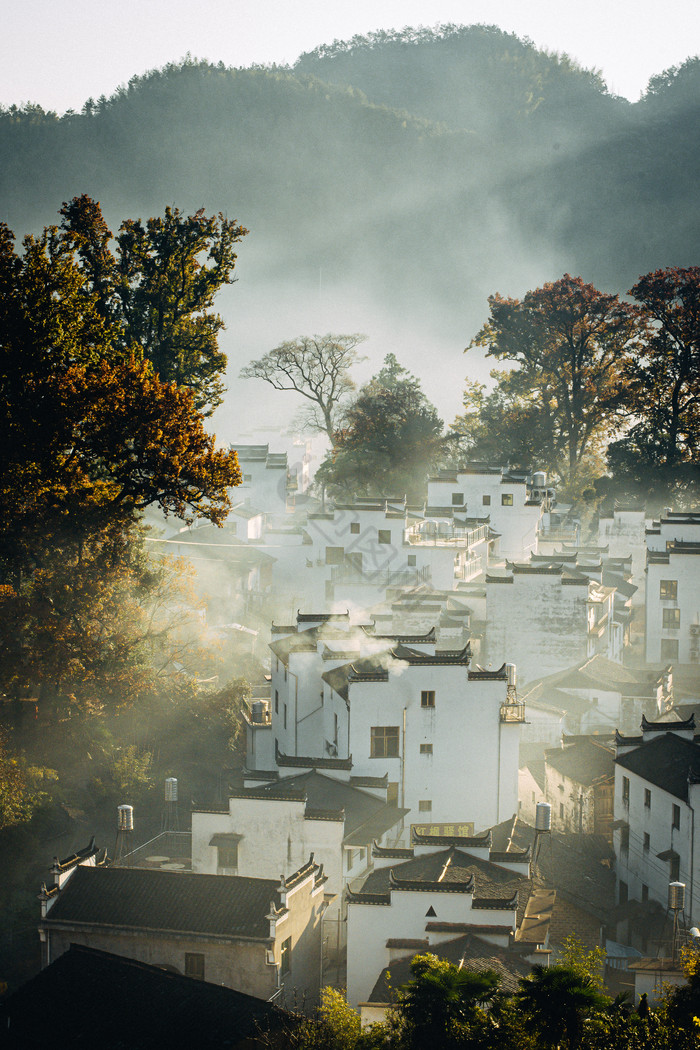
556 999
661 451
441 996
317 368
389 439
571 344
159 287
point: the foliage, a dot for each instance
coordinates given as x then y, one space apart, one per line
389 439
317 368
588 963
570 343
441 997
556 1000
130 772
224 709
20 786
660 453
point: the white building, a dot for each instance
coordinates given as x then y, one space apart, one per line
264 479
513 501
623 532
673 589
545 617
657 798
444 734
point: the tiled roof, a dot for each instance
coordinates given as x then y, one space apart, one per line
468 951
93 998
138 898
665 762
583 762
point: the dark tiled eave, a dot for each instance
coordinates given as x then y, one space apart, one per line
418 886
310 762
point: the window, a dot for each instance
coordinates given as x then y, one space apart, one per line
227 856
668 590
384 535
392 793
674 868
457 499
285 672
427 698
285 716
623 892
486 500
561 810
355 528
335 729
194 965
507 499
277 702
669 648
335 555
625 838
411 559
671 619
384 742
647 842
645 893
676 820
247 477
647 798
425 805
626 790
286 956
426 749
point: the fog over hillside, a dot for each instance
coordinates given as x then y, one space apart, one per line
390 184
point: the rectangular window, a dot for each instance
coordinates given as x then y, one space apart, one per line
623 892
647 798
676 819
668 590
669 648
335 555
427 698
561 810
486 500
674 868
194 965
277 702
457 499
507 499
645 893
626 790
425 805
384 742
392 793
671 619
647 842
227 857
384 535
625 838
355 528
411 559
247 477
285 716
426 749
286 956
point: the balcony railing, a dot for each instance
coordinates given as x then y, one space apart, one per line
464 539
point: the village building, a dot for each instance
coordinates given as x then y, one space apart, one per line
580 784
673 589
443 887
260 936
512 502
657 798
546 617
622 531
444 733
264 479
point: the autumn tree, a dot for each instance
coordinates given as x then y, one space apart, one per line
318 369
570 345
660 453
158 286
389 438
91 436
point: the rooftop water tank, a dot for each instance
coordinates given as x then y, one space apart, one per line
257 711
125 818
171 789
511 673
543 817
676 896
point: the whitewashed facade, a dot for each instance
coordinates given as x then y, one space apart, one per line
673 589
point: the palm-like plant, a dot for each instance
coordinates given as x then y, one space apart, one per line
441 995
557 999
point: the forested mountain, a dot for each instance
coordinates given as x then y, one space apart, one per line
422 169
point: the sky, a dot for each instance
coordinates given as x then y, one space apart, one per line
58 53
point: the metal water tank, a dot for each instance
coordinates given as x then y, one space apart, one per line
171 789
125 818
257 711
539 479
543 817
512 676
676 896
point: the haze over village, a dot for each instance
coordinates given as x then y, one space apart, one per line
350 554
